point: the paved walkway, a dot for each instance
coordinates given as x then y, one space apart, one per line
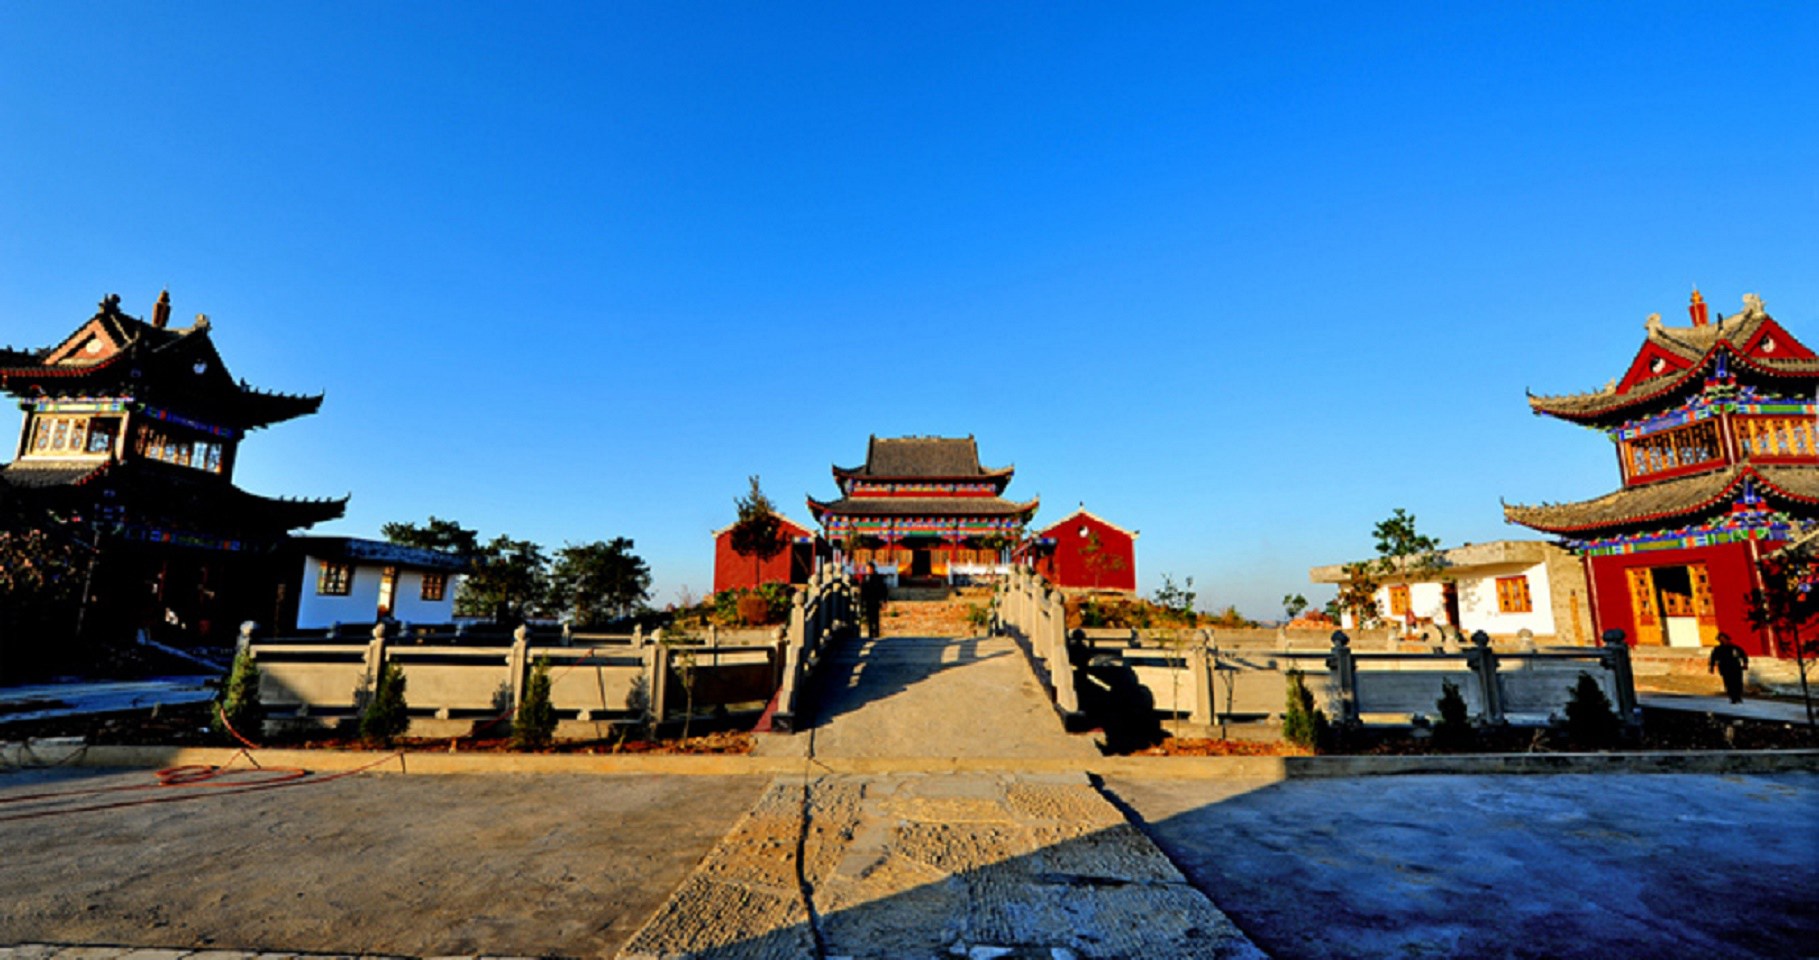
1752 708
931 697
907 866
48 700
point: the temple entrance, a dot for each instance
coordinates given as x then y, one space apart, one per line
921 563
1672 606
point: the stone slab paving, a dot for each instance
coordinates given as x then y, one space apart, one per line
1575 867
517 865
926 866
53 951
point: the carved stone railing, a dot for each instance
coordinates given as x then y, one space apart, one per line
1030 611
822 612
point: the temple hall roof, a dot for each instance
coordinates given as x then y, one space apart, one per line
164 491
1668 499
113 354
922 507
922 457
1695 350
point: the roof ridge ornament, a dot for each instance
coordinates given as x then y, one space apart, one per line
1752 304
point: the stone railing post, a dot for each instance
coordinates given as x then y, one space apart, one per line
638 635
659 678
1344 679
568 636
1202 665
1483 661
1616 658
517 663
375 653
244 642
798 620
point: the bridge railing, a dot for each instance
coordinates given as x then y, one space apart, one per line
823 611
1032 612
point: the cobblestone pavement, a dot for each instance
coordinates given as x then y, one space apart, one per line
925 866
54 951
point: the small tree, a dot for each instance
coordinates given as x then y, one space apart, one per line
239 706
1403 552
1178 599
1099 562
594 582
1303 724
386 716
683 656
756 533
1358 594
1292 605
1454 730
1784 604
535 723
1590 719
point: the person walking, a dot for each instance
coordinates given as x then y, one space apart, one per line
871 598
1729 661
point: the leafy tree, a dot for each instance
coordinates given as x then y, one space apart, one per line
1292 605
438 534
756 533
43 567
595 582
1358 594
1784 604
1176 598
1098 562
535 723
507 581
1402 551
386 716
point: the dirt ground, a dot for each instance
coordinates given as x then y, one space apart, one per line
371 864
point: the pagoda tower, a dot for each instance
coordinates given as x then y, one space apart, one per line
1713 426
922 503
131 433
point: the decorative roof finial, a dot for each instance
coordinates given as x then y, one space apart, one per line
1697 309
1653 323
1752 304
161 311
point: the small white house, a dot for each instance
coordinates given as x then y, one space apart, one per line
348 580
1502 588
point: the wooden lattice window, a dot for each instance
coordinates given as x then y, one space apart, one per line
1399 605
1672 449
1776 436
1512 595
435 587
334 579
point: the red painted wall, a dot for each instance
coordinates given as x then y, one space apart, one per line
793 564
1732 578
1067 565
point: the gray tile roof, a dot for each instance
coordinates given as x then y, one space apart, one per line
907 457
1667 499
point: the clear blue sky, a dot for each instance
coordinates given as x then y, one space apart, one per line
1244 277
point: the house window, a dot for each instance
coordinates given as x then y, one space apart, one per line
334 579
1399 601
1512 595
435 587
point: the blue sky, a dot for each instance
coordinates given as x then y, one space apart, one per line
1243 277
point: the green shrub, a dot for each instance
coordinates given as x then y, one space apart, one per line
535 723
979 616
1590 719
386 716
239 705
1303 724
1454 731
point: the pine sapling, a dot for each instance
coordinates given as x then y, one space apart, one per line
534 726
386 716
1303 724
239 707
1590 719
1454 731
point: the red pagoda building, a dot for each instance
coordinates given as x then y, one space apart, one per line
131 432
923 505
1714 432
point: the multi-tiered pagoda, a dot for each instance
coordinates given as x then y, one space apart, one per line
131 432
923 504
1714 430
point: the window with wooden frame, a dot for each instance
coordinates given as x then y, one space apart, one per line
1512 595
1687 446
435 587
334 579
1399 605
1776 436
